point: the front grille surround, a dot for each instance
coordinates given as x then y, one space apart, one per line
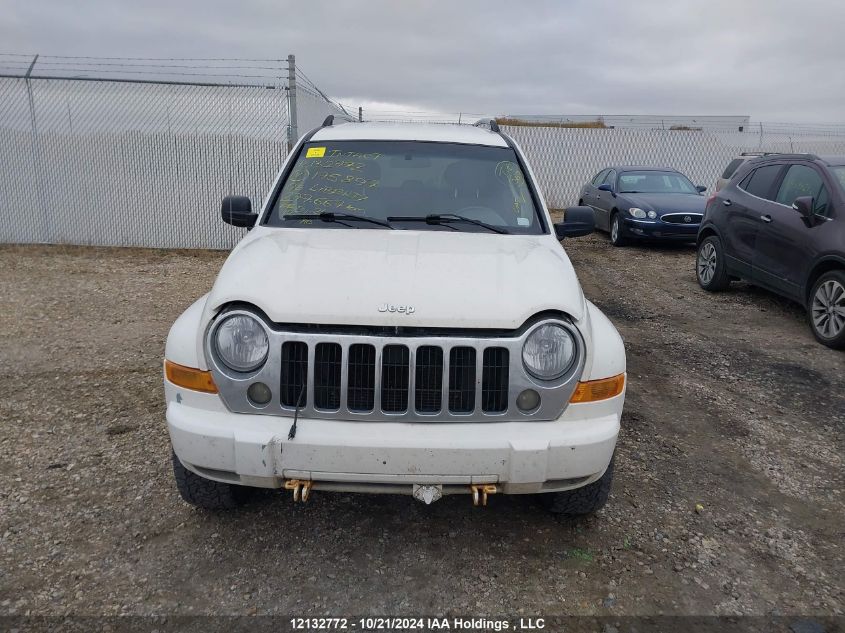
420 406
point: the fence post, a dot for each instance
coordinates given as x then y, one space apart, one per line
36 154
293 134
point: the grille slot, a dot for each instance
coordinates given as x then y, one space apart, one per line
428 377
395 372
462 380
494 380
327 371
360 394
294 374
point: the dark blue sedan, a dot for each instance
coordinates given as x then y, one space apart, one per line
644 203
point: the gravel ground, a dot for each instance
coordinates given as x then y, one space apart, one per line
728 496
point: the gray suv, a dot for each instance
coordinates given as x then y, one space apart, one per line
780 224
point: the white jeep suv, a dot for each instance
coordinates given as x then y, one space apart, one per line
401 318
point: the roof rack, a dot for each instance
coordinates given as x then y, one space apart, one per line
329 121
490 123
807 155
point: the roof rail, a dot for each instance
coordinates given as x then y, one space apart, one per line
490 123
807 155
329 121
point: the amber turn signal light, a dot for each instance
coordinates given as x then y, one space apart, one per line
602 389
189 378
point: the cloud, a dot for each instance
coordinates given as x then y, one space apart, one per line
773 59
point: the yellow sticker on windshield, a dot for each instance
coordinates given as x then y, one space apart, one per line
315 152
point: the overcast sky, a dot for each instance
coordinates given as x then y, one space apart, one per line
776 60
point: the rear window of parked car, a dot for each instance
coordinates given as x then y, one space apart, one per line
759 182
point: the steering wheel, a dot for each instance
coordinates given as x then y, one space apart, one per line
482 214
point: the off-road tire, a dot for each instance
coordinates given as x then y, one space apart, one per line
205 493
620 239
720 279
831 277
580 501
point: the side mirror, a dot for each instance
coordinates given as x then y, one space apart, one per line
700 188
577 222
605 187
804 206
237 211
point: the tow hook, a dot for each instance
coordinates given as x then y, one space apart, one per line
480 492
428 494
301 489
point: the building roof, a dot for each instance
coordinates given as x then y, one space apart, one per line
437 132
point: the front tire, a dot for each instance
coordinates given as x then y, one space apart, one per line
617 231
826 311
585 500
710 269
205 493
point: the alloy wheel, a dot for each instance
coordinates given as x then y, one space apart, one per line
828 309
614 229
706 263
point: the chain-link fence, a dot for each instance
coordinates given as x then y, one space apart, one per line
120 163
137 163
564 159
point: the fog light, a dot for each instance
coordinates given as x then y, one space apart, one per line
528 400
259 393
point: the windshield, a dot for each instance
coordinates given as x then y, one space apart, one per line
655 182
839 172
361 181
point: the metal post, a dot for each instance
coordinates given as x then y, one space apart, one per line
360 114
36 155
293 133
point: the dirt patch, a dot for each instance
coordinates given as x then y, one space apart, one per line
732 406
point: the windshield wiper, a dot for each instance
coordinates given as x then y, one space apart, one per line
446 218
340 218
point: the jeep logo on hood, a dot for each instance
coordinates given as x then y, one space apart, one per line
389 307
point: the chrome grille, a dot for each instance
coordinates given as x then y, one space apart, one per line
461 380
681 218
361 389
426 377
429 379
328 359
394 378
294 373
494 380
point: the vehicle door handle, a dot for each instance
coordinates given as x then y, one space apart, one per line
727 203
766 218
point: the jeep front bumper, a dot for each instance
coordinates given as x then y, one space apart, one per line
516 457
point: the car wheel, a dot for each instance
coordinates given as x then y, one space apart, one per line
580 501
205 493
710 265
827 309
617 236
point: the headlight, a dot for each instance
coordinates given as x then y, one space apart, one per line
652 215
241 343
549 352
637 213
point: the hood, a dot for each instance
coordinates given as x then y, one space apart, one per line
398 278
666 202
